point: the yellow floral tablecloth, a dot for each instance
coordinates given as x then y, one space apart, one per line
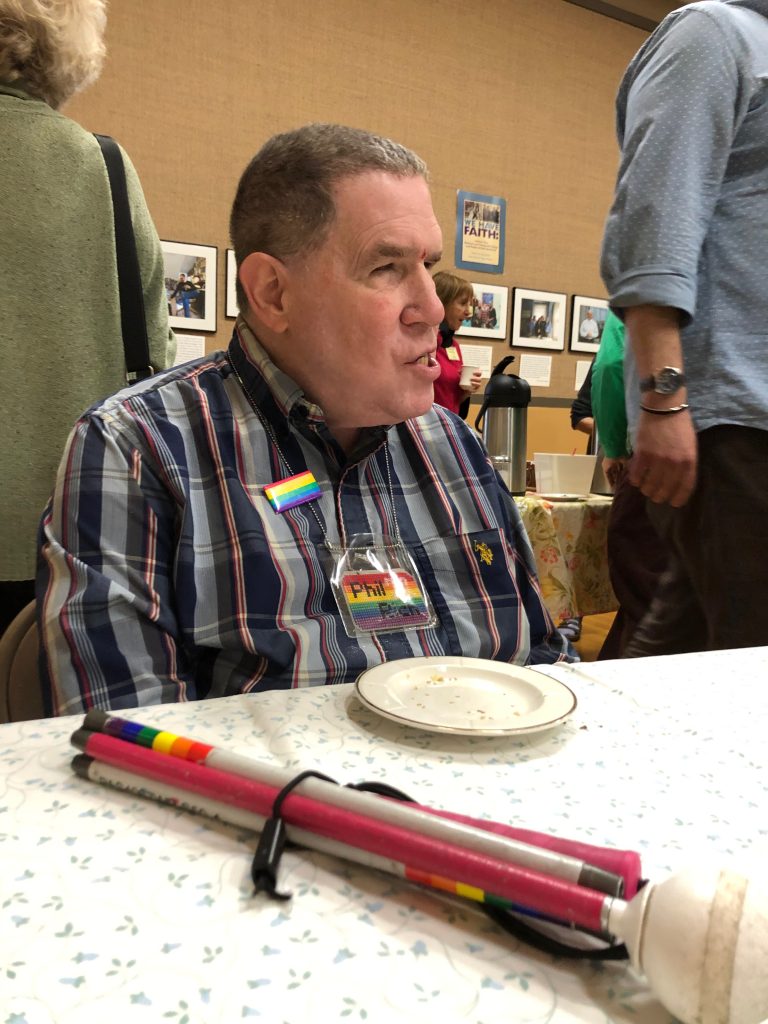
569 544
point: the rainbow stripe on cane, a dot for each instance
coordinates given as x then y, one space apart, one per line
468 892
159 740
294 490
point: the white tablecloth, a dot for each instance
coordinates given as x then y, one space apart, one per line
118 909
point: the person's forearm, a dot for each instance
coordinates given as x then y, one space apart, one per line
585 425
665 455
654 334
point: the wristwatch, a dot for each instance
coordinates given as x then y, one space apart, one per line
666 382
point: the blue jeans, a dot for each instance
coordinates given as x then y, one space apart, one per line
186 299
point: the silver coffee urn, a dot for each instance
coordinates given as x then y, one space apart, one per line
503 420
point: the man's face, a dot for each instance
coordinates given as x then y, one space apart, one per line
362 310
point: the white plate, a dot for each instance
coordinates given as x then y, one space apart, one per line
563 497
465 696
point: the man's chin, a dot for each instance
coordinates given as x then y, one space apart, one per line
416 409
406 411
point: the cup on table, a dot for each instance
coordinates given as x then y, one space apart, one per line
466 375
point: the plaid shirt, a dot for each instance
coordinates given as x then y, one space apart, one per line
166 575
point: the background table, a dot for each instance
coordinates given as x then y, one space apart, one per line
119 909
569 544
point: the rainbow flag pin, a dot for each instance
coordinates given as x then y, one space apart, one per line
294 490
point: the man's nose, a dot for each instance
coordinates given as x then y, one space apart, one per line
426 304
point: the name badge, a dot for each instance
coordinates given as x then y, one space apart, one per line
384 600
377 587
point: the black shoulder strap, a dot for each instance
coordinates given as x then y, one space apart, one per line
132 316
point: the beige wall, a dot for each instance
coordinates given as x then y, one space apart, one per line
516 100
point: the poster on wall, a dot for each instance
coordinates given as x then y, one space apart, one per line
582 369
537 370
480 232
538 319
188 347
488 318
190 285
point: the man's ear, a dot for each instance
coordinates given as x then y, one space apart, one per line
264 278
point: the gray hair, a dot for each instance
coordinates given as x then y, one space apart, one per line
51 48
284 202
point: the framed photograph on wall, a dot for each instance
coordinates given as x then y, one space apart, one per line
190 285
231 290
587 323
538 320
489 312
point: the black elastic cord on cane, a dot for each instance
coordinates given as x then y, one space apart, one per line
508 921
381 789
272 841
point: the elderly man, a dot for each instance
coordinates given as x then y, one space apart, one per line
294 510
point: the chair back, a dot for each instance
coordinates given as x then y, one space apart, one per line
21 697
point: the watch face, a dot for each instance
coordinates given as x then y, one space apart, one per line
668 381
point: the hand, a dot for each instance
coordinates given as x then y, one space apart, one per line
475 382
664 462
614 469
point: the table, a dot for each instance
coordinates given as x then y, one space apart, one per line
569 544
119 909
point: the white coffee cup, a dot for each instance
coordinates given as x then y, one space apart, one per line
466 375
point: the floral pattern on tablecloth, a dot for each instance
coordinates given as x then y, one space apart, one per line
569 545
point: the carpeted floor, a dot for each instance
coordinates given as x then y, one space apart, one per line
593 631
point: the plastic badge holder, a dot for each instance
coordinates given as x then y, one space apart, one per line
378 588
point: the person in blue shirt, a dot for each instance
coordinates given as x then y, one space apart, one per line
683 260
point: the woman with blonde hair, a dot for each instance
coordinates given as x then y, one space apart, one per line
456 295
61 343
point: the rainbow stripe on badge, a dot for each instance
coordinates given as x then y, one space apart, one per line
294 490
384 600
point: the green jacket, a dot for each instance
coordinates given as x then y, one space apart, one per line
608 402
60 338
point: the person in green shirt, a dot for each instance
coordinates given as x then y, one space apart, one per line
608 404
